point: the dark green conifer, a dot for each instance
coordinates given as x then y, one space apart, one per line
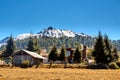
53 54
77 56
62 55
10 47
99 50
33 44
103 51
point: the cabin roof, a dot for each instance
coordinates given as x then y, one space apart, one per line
33 54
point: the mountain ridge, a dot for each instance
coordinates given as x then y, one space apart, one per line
58 33
49 32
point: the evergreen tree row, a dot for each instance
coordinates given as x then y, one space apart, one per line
104 52
54 55
48 42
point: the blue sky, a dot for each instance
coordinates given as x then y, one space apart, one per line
81 16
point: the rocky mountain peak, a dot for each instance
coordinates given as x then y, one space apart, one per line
50 28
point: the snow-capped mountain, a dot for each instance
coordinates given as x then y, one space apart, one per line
53 32
57 33
49 32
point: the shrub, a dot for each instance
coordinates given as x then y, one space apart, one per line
92 66
102 66
113 65
25 64
97 66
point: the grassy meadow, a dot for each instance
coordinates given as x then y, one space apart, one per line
58 74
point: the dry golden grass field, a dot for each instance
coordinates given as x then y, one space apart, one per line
57 74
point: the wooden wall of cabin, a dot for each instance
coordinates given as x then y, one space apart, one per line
18 59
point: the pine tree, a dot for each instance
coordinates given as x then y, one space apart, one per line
36 45
53 54
103 50
77 56
62 55
10 47
99 50
33 44
30 44
108 49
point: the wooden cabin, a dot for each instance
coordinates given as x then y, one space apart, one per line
23 55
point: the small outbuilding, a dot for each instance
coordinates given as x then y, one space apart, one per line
25 55
70 54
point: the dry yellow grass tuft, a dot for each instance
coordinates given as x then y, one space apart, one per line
58 74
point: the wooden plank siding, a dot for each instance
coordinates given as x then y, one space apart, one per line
23 55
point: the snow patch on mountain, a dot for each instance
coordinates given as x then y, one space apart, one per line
82 35
53 32
68 33
4 41
2 44
23 36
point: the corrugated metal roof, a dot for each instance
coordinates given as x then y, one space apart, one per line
33 54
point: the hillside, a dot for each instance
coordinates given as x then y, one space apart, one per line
49 36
